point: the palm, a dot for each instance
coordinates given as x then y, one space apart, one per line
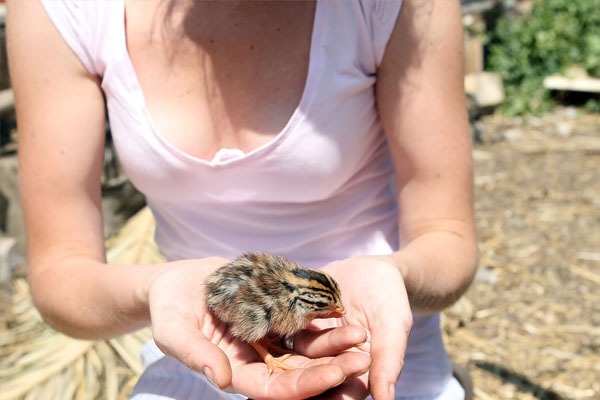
184 329
375 297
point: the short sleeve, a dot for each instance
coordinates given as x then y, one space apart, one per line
383 16
69 19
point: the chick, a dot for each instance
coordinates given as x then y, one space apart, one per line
261 295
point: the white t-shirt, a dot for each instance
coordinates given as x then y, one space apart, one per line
318 192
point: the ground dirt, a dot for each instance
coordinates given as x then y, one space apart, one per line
529 327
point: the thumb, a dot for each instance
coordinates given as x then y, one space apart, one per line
210 360
196 352
388 348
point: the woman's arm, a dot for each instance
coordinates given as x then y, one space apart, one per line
60 114
421 100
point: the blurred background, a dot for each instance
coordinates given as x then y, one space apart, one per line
528 328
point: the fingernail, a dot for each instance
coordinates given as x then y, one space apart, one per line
209 375
368 336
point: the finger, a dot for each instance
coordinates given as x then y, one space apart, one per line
308 379
329 342
205 357
194 350
388 349
352 389
352 363
253 380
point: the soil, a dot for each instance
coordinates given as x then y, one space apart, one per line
529 327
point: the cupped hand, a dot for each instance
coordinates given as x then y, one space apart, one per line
375 298
184 329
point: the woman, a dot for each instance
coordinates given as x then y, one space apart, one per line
252 126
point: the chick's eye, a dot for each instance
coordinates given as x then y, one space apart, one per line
321 304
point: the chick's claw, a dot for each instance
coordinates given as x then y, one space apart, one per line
277 362
271 361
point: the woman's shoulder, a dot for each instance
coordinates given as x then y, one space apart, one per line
369 21
85 26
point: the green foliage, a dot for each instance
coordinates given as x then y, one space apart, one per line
556 35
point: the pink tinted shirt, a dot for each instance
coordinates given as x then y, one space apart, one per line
318 192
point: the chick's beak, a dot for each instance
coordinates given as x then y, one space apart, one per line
338 311
332 312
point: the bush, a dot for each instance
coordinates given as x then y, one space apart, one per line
556 35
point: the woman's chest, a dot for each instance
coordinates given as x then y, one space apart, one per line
221 74
303 149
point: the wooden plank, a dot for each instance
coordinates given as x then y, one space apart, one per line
588 85
575 79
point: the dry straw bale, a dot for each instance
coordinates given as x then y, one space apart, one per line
39 363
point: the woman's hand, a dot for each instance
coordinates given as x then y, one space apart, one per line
375 298
184 328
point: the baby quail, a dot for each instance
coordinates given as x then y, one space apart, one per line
263 294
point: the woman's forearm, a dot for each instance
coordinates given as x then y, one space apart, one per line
88 299
437 267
